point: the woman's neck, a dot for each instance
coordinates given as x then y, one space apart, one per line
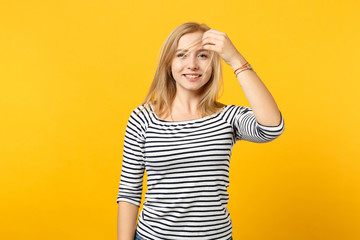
186 103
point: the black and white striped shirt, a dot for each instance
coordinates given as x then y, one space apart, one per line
187 165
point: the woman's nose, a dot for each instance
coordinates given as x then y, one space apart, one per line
193 63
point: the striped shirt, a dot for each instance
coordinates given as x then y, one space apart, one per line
187 165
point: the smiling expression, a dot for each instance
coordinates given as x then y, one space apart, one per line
191 67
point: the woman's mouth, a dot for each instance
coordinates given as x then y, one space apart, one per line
192 77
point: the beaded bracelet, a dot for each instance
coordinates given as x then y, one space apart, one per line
243 66
246 68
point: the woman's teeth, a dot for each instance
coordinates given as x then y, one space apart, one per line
192 76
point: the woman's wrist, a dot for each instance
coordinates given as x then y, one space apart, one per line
237 62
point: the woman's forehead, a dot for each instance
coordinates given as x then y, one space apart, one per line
190 40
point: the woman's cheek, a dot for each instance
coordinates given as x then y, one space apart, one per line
176 65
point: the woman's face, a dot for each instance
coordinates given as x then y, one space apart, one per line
191 68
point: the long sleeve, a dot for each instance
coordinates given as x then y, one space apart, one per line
133 166
247 128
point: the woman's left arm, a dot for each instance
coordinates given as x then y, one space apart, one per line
260 99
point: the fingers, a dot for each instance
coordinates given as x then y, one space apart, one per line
214 40
210 47
219 42
215 35
211 44
213 31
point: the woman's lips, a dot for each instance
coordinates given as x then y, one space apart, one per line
192 77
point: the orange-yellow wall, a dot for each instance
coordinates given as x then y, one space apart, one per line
71 72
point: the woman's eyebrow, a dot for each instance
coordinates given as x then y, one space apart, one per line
202 50
182 50
187 50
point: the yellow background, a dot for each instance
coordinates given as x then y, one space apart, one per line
72 71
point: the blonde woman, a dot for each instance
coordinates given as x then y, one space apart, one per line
183 138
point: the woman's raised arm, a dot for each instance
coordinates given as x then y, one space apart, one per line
260 99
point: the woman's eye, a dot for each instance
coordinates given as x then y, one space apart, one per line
203 56
181 55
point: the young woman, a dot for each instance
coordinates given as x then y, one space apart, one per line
183 138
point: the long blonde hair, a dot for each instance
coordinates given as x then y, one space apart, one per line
163 88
